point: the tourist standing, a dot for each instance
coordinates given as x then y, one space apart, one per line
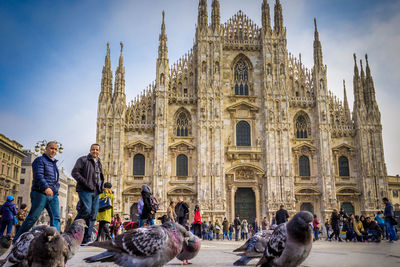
281 215
245 229
204 230
182 211
273 221
254 225
237 224
327 228
210 231
148 212
21 216
217 229
389 220
335 219
381 223
105 214
197 221
89 177
264 224
44 191
8 211
140 210
230 231
316 226
225 229
171 212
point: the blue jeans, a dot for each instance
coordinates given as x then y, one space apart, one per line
148 221
384 232
87 210
39 202
316 233
210 236
9 224
230 235
225 234
390 230
204 235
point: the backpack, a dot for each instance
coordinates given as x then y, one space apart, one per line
154 203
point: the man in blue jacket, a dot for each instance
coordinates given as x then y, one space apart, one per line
44 193
389 217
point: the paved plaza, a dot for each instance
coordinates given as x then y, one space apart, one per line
219 253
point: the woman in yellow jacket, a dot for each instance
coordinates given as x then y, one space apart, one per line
106 212
358 228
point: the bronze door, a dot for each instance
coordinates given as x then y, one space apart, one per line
245 204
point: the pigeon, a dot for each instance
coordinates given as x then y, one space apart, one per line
5 244
149 246
290 243
190 249
44 246
254 247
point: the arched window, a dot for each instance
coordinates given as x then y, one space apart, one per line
138 164
181 165
243 137
241 78
183 124
302 127
304 166
344 166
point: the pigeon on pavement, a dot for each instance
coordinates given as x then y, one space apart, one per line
253 248
149 246
290 243
44 246
190 249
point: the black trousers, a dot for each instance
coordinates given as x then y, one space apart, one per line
103 226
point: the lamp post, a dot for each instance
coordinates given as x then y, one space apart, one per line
41 146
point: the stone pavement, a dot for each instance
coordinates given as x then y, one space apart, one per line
219 253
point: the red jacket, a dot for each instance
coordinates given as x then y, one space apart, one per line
197 217
315 223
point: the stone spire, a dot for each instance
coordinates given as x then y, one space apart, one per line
119 86
318 60
345 103
162 48
278 18
369 90
106 78
358 91
202 19
215 16
266 17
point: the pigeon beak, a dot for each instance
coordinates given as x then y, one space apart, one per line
186 234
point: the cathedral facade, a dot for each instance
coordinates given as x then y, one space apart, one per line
239 126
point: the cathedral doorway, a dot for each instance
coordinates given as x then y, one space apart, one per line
245 204
134 212
348 208
307 206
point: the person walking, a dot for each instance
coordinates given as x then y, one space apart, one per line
237 224
230 231
254 226
327 229
182 211
148 212
197 221
115 225
264 224
21 216
389 220
204 230
89 177
281 215
316 227
105 214
8 212
171 212
44 191
225 229
335 219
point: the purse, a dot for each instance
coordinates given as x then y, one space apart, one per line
105 204
15 218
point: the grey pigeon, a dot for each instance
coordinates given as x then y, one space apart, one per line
253 248
190 249
43 246
150 246
290 243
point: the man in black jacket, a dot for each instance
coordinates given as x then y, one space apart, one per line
148 214
182 212
281 215
237 223
89 177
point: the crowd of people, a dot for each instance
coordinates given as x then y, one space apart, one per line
96 207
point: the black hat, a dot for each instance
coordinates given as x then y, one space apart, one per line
107 185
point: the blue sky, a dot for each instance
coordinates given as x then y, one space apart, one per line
52 53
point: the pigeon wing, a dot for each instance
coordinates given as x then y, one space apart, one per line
277 241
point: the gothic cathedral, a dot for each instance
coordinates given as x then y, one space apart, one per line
239 126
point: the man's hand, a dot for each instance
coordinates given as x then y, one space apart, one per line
49 192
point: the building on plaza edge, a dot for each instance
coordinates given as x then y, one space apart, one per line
238 125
